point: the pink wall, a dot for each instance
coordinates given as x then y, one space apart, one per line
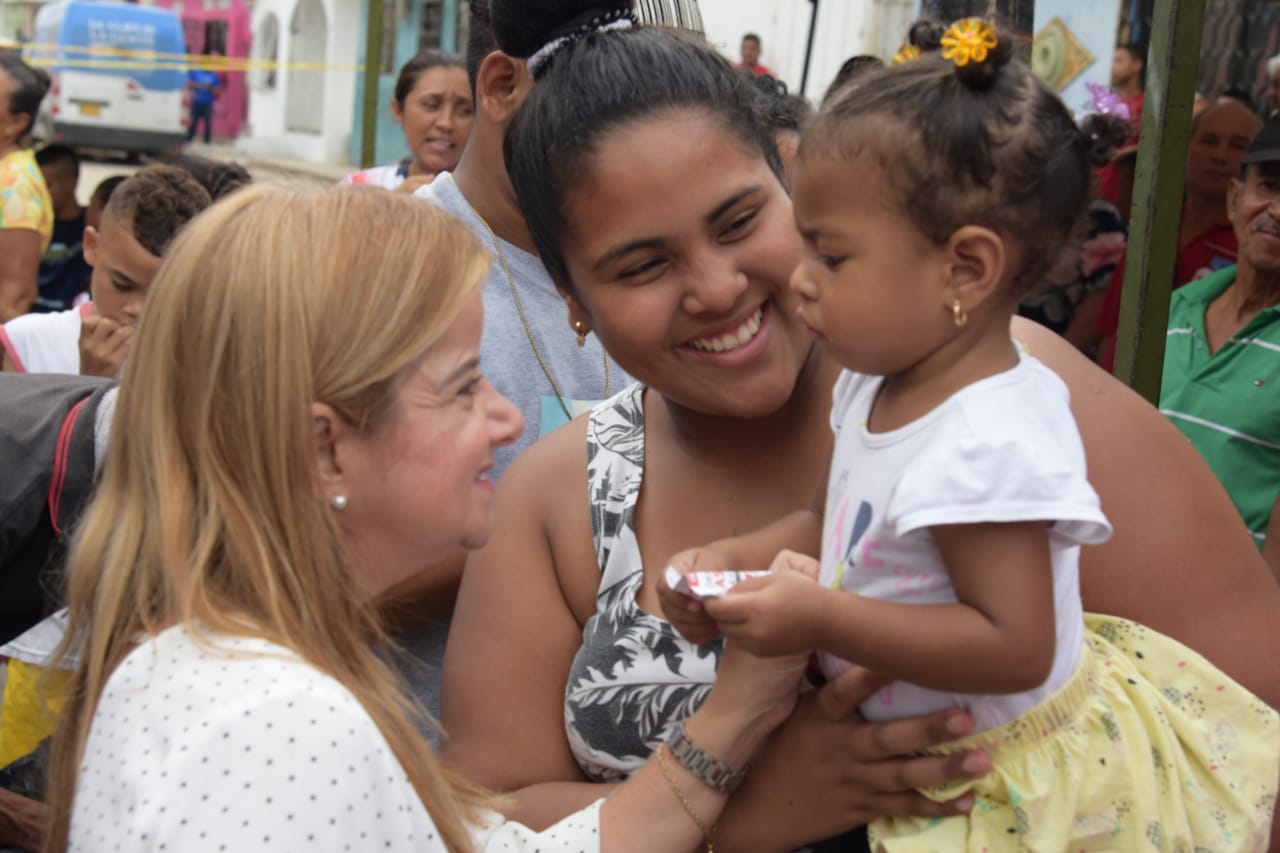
233 25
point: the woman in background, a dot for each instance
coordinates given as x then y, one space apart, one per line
26 210
433 104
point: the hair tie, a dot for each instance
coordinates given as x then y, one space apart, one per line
906 53
613 19
970 40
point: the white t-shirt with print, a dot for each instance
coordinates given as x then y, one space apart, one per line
1004 449
243 746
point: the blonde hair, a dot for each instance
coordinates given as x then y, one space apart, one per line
210 513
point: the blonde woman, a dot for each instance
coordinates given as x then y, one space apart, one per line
304 423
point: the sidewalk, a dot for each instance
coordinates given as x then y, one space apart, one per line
271 166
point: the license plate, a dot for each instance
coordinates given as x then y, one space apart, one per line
94 110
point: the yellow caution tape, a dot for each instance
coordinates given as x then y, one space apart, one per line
150 60
246 65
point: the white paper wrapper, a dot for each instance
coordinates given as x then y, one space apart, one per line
706 584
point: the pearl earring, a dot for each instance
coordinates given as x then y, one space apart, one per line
339 502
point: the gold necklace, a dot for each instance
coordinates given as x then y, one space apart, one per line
528 330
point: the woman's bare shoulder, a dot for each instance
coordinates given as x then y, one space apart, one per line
1181 559
547 465
547 487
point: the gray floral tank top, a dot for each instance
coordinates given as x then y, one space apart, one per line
635 677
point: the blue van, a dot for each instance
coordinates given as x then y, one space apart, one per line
118 74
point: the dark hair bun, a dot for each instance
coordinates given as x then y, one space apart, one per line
980 73
926 35
522 27
1103 134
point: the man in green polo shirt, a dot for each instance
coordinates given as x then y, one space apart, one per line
1222 356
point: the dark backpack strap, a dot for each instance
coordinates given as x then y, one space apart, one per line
75 463
34 434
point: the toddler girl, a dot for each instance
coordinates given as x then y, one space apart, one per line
930 197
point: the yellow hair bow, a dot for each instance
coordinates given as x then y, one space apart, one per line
970 40
906 53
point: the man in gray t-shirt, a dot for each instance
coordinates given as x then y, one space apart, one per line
527 340
528 349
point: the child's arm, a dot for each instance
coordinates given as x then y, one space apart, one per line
999 637
799 531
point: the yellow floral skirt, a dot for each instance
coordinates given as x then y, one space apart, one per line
1148 747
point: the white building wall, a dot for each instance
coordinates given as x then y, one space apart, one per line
267 134
1094 23
845 28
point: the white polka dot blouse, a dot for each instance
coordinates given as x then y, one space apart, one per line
234 743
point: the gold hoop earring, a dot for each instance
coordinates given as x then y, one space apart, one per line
958 314
581 329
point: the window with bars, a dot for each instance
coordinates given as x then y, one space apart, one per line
432 33
399 14
681 14
435 18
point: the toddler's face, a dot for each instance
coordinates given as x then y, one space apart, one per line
871 284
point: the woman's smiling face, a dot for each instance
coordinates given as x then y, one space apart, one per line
679 245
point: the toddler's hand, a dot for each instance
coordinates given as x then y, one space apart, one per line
800 564
776 615
684 611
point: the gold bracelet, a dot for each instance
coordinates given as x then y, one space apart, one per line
684 801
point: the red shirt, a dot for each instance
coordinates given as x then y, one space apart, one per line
1212 250
1135 105
757 69
1109 175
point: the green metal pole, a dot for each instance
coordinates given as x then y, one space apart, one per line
372 69
1173 61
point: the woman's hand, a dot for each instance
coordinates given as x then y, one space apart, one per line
658 807
826 770
751 697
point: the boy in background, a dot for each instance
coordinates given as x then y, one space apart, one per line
143 216
749 51
98 201
64 274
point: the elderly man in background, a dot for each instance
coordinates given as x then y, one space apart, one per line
1206 238
1222 356
1273 85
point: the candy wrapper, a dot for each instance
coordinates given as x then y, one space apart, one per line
706 584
